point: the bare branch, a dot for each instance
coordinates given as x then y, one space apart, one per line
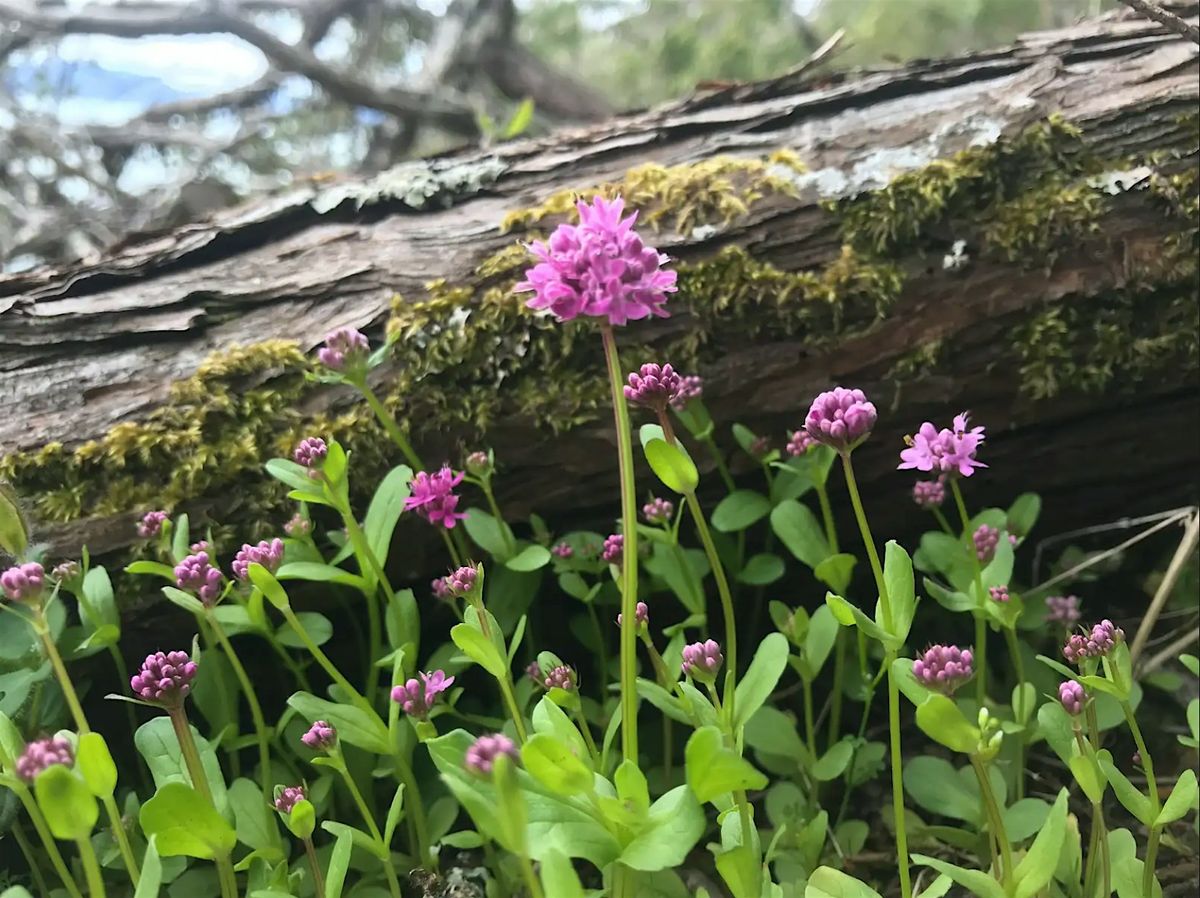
1167 19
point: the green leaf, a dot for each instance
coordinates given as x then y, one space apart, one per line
287 471
99 604
898 577
360 839
254 821
761 569
150 881
394 815
355 725
978 882
1059 667
906 681
941 720
672 827
183 823
739 510
1023 513
1036 869
836 571
552 763
320 573
269 586
819 641
384 510
318 627
740 870
798 529
339 864
1089 776
489 533
951 600
834 762
770 661
479 649
826 882
1181 799
673 565
155 568
14 531
95 764
559 877
714 770
66 802
849 615
937 787
529 559
521 118
1127 793
156 742
771 731
671 465
551 719
184 600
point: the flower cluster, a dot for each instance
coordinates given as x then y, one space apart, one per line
440 586
841 418
268 554
1100 641
658 511
1072 696
418 697
641 615
151 524
799 443
1062 610
944 667
560 677
481 756
999 594
310 452
197 574
614 548
289 797
43 753
164 679
946 451
691 386
23 582
479 464
702 660
66 571
986 538
321 736
653 386
929 493
562 550
344 348
434 499
599 268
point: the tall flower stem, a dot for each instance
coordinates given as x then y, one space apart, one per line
514 710
35 869
389 869
1155 802
995 821
390 426
629 562
719 459
942 522
485 484
91 868
256 714
81 724
839 657
39 826
315 866
1014 652
885 607
980 597
1097 838
368 561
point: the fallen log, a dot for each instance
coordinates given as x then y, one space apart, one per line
1012 231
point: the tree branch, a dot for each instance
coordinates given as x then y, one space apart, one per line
1168 20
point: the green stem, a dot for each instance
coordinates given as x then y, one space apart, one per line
995 821
47 840
391 427
1097 838
718 569
416 810
130 716
809 731
486 485
657 662
941 519
582 723
81 724
514 710
389 869
530 877
35 869
839 675
323 660
451 549
897 777
860 515
226 876
1014 651
256 714
668 748
980 658
872 684
980 597
315 866
629 562
367 559
722 468
91 868
191 755
1155 803
827 516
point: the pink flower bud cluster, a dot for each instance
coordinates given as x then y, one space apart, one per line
986 538
841 418
289 797
1072 696
691 386
614 548
653 386
418 697
268 554
1100 641
164 678
343 348
23 582
481 756
658 511
1062 610
944 667
151 524
196 574
929 493
43 753
702 660
321 736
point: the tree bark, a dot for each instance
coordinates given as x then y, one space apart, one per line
96 345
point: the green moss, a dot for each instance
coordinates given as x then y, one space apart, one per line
1034 227
716 190
966 186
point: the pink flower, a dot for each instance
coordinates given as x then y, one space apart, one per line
481 756
691 386
310 452
641 615
986 538
929 493
196 574
614 548
562 550
289 797
841 418
298 526
151 524
164 679
1062 610
999 594
799 443
1072 696
434 499
441 588
43 753
344 348
1100 641
653 386
944 667
945 451
702 660
417 698
321 736
599 268
561 677
268 554
479 464
462 581
658 511
23 582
